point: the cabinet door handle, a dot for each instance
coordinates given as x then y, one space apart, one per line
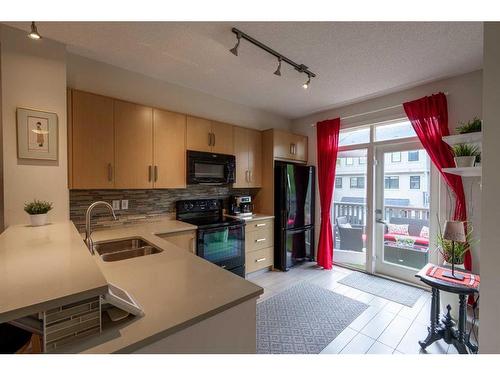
156 173
260 240
110 172
210 139
260 260
247 178
213 135
261 225
291 148
150 173
193 247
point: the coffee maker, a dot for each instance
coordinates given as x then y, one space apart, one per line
240 205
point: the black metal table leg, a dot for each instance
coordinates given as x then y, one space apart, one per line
434 332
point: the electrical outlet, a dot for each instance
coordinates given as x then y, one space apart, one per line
124 204
116 204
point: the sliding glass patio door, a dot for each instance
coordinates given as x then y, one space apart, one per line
403 222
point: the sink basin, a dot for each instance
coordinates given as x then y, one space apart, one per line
125 249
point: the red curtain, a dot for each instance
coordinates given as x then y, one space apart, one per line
429 117
327 136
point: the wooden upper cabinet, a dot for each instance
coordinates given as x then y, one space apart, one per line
199 134
290 146
248 151
255 157
133 146
92 154
169 149
209 136
222 139
240 145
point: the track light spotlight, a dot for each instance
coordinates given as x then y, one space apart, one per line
234 50
305 86
278 71
33 34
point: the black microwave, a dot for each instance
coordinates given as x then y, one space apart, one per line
211 169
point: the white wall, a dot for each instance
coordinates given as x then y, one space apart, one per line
490 198
464 102
101 78
33 76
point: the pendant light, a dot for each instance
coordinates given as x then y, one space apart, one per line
33 34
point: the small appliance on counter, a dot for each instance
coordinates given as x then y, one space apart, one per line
219 239
240 205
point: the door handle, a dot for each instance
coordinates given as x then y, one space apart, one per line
150 173
260 225
250 176
156 173
260 260
260 240
213 135
110 172
246 176
291 148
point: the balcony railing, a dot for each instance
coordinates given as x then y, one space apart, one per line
356 212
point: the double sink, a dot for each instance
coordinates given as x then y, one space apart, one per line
113 251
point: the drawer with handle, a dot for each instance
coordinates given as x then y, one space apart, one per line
259 239
255 225
259 259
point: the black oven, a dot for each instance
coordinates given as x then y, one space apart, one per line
209 168
224 246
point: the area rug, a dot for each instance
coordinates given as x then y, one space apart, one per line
391 290
303 319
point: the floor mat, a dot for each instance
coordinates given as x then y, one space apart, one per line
391 290
303 319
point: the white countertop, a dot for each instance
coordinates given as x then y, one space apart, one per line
175 288
252 217
43 268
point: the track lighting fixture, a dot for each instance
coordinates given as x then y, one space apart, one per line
33 34
234 50
301 68
278 71
305 86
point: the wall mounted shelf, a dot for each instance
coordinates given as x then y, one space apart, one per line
465 171
455 139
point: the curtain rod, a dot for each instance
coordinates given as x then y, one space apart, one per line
370 112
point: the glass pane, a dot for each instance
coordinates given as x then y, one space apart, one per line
222 244
406 210
397 130
354 137
209 170
349 209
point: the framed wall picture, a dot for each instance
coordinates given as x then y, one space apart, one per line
37 134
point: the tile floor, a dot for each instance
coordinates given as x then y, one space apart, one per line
386 327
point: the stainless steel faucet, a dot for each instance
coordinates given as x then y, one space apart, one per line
88 229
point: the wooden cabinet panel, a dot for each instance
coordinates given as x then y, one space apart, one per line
256 225
290 146
133 146
259 239
185 240
92 152
254 158
222 138
257 260
169 149
240 144
199 134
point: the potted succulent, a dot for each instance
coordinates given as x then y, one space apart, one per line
465 155
38 211
472 126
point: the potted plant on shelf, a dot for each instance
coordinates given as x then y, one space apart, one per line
472 126
38 211
465 155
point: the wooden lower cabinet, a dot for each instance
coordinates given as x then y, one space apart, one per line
185 240
259 245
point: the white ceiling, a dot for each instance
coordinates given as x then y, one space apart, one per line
352 60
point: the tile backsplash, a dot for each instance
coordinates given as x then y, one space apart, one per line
143 205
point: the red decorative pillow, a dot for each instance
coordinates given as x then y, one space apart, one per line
401 229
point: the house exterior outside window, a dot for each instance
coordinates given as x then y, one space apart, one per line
338 182
357 182
391 182
413 156
414 182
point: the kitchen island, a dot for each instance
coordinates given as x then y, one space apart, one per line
189 304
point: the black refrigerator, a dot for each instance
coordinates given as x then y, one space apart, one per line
294 214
